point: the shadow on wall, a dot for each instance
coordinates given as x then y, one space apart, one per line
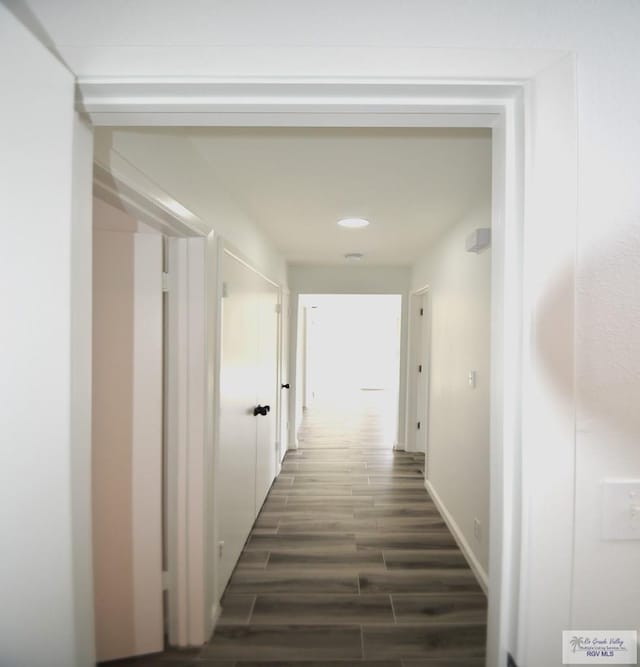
608 332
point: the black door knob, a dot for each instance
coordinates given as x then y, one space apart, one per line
261 410
285 386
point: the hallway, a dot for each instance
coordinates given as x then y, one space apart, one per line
349 560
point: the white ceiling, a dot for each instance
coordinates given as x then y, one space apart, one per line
296 183
116 38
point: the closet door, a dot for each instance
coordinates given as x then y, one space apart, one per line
248 376
267 390
237 451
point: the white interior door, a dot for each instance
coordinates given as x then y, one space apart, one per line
419 370
285 383
423 371
266 383
238 397
248 377
127 443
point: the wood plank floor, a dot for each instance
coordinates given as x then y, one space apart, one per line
348 563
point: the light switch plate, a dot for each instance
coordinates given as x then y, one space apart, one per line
621 509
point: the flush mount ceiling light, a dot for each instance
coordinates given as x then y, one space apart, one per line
353 256
353 223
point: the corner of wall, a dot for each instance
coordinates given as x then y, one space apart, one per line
477 569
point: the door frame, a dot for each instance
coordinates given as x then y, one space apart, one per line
532 115
189 398
419 333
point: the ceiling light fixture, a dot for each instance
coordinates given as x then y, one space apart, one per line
353 223
353 256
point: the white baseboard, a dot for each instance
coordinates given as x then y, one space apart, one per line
216 610
400 447
474 564
280 459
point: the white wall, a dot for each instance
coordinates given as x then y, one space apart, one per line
46 616
175 166
458 436
349 280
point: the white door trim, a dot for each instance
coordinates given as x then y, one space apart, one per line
189 402
415 354
239 257
122 185
532 114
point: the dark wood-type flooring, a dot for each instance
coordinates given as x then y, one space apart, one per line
348 563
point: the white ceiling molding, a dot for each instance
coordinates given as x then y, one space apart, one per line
192 101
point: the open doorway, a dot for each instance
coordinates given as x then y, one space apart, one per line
349 351
351 336
127 434
149 360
